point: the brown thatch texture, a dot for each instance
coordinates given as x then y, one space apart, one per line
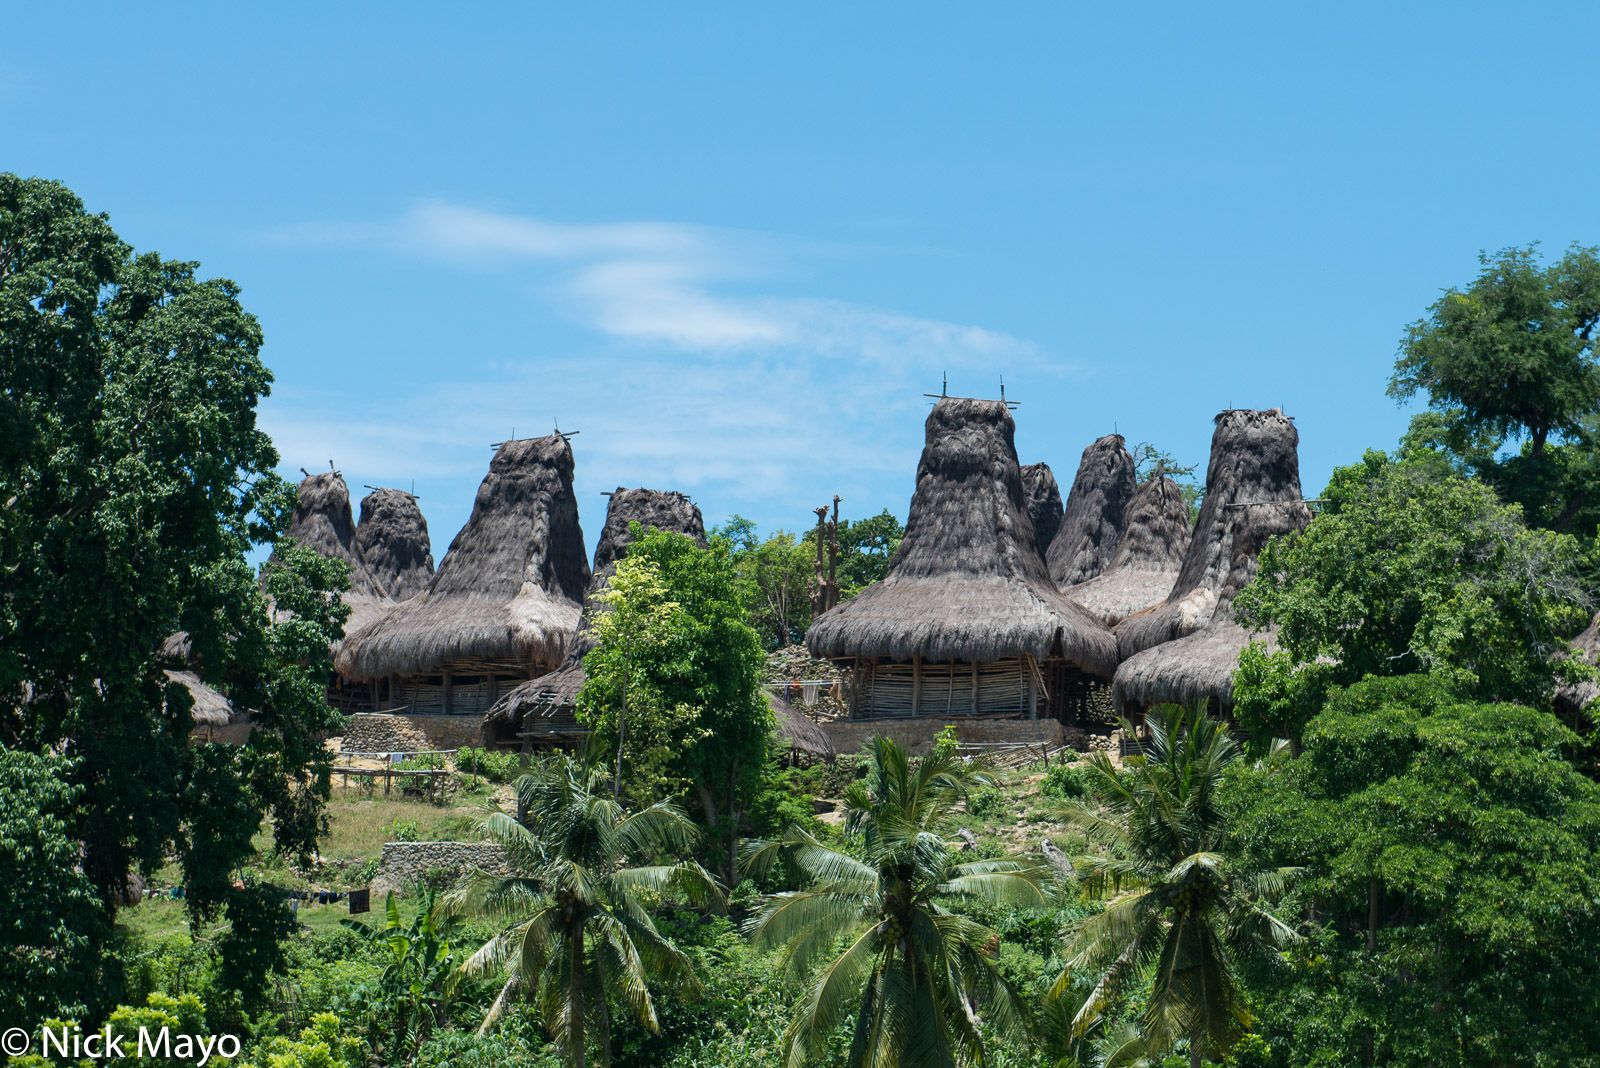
322 522
510 586
968 581
211 709
1092 524
1197 667
1044 502
651 509
1570 700
392 542
801 734
1155 535
1252 493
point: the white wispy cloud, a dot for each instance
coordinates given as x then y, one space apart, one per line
752 401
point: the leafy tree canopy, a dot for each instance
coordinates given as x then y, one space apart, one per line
1411 569
1511 358
135 482
1449 884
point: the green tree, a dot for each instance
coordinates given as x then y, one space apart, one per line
1450 888
692 670
135 483
1182 916
1512 358
584 871
915 972
1413 570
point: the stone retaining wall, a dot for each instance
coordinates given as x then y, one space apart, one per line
406 862
380 732
917 735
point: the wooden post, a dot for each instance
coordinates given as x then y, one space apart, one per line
446 696
974 687
916 685
1030 704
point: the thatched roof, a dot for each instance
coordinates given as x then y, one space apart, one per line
797 729
1570 700
968 581
657 509
1039 489
1093 521
322 522
392 542
1197 667
508 589
1155 535
211 709
1252 493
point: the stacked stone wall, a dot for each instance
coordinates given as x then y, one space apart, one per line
917 735
377 732
406 862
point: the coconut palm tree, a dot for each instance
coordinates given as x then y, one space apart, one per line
914 971
1181 915
582 869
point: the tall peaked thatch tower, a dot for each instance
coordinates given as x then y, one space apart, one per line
967 621
1187 648
322 522
504 602
544 706
392 541
1093 522
1044 502
1155 536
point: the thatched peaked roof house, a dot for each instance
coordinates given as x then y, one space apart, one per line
1092 524
1187 648
1044 502
1155 536
504 602
1570 700
967 620
392 542
544 706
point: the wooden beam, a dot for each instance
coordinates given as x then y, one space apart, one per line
445 695
916 685
974 687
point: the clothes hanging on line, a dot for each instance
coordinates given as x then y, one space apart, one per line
810 692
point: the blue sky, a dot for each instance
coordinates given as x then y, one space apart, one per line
734 244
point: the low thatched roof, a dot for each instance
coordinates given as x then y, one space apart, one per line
1570 700
651 509
508 589
211 709
1155 535
968 581
1252 493
392 542
795 728
1092 524
1197 667
1044 502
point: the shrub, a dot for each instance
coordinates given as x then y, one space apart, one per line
405 831
1063 782
494 765
987 803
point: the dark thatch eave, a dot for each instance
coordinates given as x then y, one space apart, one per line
1044 502
1155 536
651 509
795 728
508 589
1092 525
392 542
1252 494
1197 667
968 581
1570 700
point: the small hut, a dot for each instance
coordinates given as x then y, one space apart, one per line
1570 700
542 710
1092 525
392 542
1186 649
504 602
805 740
1044 502
211 712
967 621
1155 535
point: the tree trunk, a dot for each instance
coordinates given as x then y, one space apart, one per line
622 724
708 803
576 1042
1196 1051
733 827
